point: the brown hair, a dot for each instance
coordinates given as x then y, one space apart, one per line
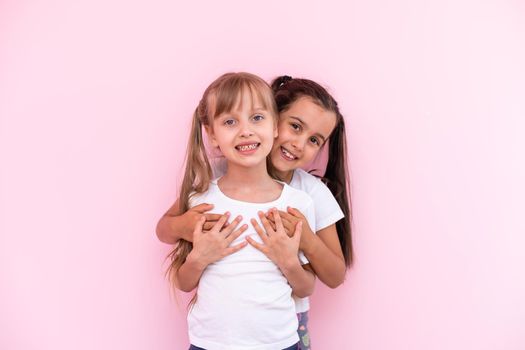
223 95
287 90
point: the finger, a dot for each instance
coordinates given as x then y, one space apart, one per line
278 221
212 217
234 235
259 230
295 212
203 207
198 226
256 245
271 221
229 229
289 227
266 223
298 231
236 248
220 223
285 215
209 225
287 220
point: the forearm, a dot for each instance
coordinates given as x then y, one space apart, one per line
171 228
300 279
328 266
189 274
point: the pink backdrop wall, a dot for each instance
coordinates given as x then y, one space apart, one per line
95 102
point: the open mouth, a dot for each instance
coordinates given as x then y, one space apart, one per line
247 147
287 154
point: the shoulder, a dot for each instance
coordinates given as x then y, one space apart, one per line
204 197
296 195
310 184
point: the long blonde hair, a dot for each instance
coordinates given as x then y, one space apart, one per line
221 96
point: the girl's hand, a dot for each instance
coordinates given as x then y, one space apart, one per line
278 247
213 245
192 217
290 219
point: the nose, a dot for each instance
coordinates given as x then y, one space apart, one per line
246 130
298 143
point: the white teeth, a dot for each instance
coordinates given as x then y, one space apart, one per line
287 154
247 147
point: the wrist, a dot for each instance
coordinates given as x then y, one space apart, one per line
309 242
290 265
179 229
195 261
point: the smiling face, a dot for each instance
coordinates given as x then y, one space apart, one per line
303 129
245 134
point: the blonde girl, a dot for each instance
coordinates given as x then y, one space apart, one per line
246 269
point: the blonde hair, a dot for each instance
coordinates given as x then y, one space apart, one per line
223 95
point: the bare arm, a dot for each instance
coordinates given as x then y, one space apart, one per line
301 278
172 227
323 249
283 250
324 253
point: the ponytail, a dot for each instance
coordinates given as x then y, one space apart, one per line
336 179
197 177
280 81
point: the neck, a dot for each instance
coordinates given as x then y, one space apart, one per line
285 176
247 176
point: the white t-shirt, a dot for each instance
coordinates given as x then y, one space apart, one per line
244 302
327 210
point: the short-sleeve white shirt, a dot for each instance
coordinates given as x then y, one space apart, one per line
327 210
244 302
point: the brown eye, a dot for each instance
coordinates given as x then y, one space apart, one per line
295 126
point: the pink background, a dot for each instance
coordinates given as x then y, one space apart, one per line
95 104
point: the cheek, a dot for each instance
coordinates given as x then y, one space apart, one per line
283 135
310 154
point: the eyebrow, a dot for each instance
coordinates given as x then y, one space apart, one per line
303 123
233 112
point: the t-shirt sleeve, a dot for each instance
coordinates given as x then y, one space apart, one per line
309 214
327 210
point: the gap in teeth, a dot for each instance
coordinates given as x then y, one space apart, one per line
248 147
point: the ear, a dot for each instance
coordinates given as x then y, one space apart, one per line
275 132
211 136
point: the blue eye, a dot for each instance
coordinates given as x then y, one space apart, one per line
258 117
229 122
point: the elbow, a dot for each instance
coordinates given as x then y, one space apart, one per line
334 284
160 230
337 280
186 289
160 235
183 287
